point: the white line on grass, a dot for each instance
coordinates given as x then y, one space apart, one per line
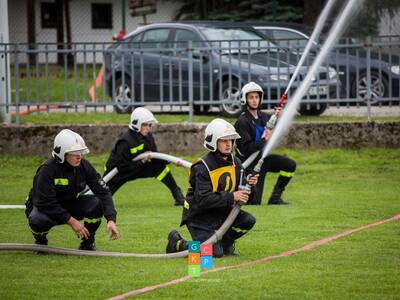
257 261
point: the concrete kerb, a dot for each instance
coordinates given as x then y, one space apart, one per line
188 138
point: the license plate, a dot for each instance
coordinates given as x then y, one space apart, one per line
318 90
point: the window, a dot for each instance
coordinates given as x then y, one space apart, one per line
289 38
48 14
182 36
135 41
102 16
156 38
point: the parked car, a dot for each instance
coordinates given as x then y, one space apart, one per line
350 62
152 65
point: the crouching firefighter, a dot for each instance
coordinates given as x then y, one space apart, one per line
255 129
213 190
55 197
137 140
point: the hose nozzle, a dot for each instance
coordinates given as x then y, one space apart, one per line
258 166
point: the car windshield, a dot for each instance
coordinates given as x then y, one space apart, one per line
231 40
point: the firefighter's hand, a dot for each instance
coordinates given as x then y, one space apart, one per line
80 230
112 229
147 157
278 110
252 180
266 134
241 197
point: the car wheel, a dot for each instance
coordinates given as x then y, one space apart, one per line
379 87
307 109
233 109
122 97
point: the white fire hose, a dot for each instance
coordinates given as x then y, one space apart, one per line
154 155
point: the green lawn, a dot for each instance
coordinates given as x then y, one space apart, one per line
332 191
57 85
113 118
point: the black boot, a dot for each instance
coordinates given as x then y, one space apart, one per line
176 243
178 196
88 244
275 198
40 239
228 248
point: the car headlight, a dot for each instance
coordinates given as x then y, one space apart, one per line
332 73
395 69
273 77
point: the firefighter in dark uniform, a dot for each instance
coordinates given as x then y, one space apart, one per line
137 140
213 190
56 198
255 128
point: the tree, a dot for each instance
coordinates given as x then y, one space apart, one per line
367 21
245 10
300 11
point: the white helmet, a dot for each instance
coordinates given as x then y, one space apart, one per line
139 116
218 129
67 141
248 88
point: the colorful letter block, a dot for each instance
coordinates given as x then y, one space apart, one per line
206 262
194 247
200 256
206 249
194 259
194 270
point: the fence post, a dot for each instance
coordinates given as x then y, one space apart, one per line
190 75
16 76
5 95
368 98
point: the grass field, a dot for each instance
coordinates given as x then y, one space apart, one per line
113 118
332 191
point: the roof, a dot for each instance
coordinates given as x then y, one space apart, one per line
300 27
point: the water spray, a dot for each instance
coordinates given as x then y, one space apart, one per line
290 109
314 37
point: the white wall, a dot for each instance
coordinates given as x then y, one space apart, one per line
81 31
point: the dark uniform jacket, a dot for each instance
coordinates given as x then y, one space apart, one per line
209 198
56 185
250 131
130 145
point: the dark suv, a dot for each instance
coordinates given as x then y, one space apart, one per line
155 65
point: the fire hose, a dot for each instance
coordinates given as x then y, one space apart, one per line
67 251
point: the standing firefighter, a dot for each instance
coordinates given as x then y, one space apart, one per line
213 190
56 199
137 140
255 128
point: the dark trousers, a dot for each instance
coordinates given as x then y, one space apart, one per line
276 164
242 224
154 168
86 207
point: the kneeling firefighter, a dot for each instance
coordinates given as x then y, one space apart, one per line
255 128
213 189
56 198
137 140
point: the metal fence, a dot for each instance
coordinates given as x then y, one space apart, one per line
194 76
